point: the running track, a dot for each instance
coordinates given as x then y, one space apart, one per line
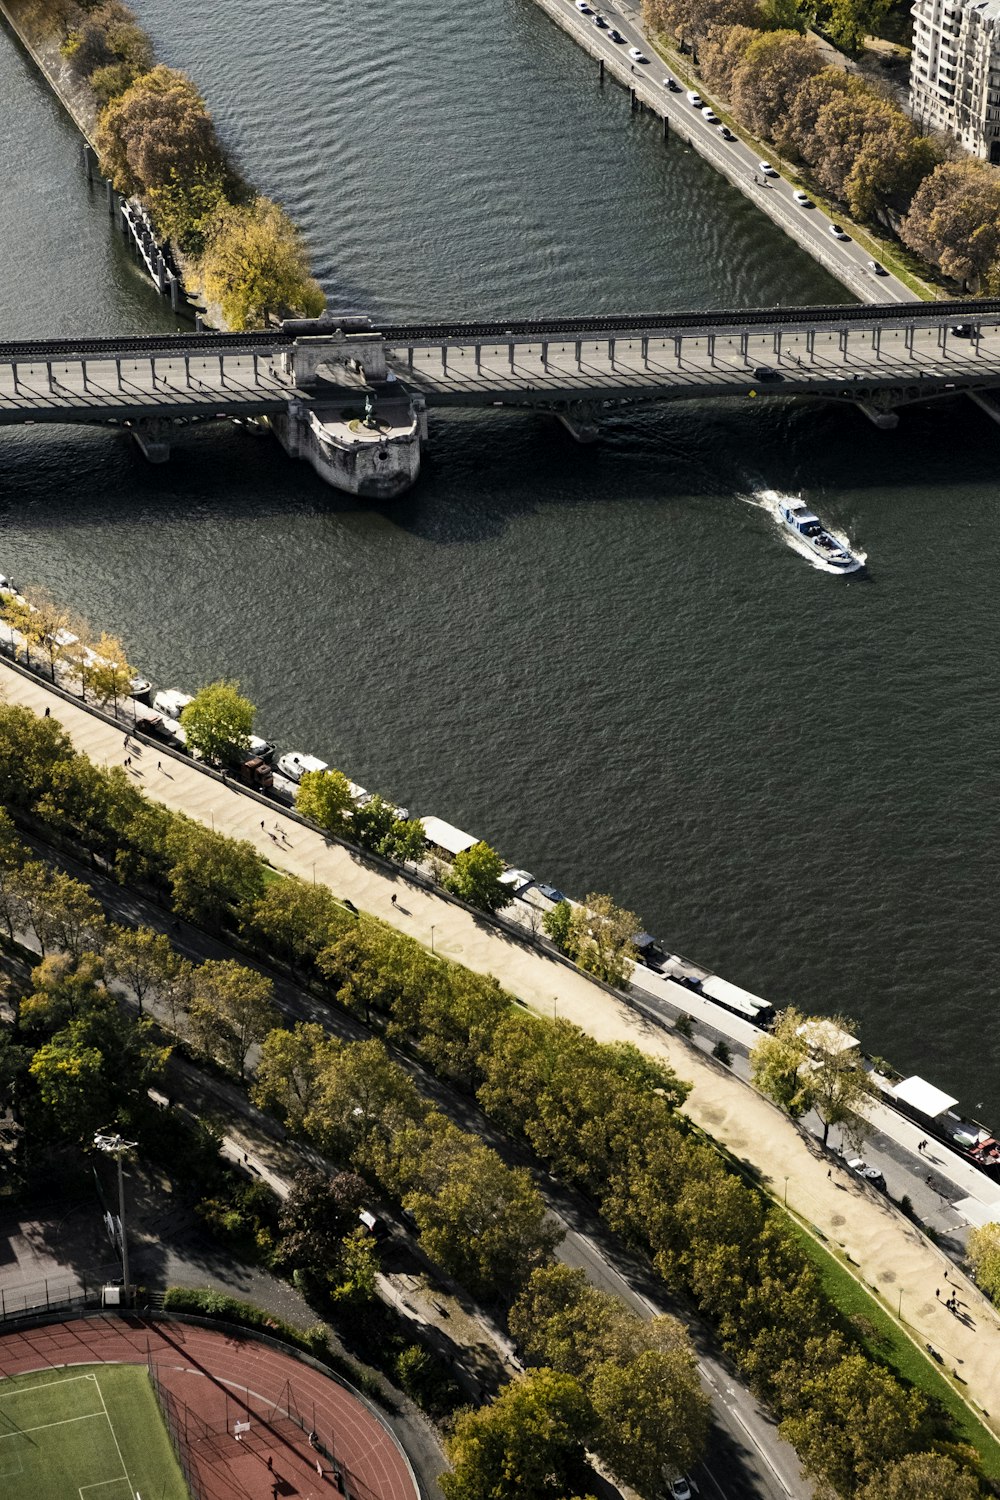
225 1378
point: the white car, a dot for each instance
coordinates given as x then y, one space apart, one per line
695 99
766 168
637 55
803 199
583 7
682 1488
711 116
837 232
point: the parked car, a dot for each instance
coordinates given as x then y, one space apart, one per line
682 1488
615 35
837 232
766 168
694 98
711 116
726 133
550 892
861 1169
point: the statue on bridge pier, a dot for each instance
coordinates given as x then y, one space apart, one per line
370 420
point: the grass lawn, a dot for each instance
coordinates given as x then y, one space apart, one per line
885 1340
91 1432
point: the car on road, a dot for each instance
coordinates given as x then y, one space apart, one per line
583 8
802 199
600 22
615 35
671 84
765 372
637 55
682 1488
837 232
766 168
877 269
726 133
695 99
861 1169
710 115
963 331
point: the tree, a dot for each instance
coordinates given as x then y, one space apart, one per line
296 920
601 935
850 1420
954 221
405 842
850 21
984 1255
653 1416
372 823
776 1063
158 127
319 1214
483 1221
527 1444
773 68
365 1100
218 722
30 748
211 877
694 19
232 1008
837 1080
255 264
140 958
325 799
104 670
919 1476
475 877
291 1070
60 911
558 923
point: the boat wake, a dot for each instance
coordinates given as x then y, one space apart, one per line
771 501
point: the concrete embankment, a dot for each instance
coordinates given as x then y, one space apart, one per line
888 1253
74 96
650 95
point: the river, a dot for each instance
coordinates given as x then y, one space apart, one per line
605 661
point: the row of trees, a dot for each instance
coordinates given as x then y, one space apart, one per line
855 141
603 1118
157 141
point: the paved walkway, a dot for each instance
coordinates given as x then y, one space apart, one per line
891 1255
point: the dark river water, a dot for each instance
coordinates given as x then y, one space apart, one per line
605 660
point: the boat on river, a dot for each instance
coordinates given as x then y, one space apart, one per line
808 530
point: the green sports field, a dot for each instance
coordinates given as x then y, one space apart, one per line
90 1432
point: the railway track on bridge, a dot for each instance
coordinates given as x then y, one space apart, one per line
139 346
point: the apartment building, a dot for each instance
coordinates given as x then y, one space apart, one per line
955 72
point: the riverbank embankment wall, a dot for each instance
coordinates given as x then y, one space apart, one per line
74 95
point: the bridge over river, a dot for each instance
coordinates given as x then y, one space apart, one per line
351 395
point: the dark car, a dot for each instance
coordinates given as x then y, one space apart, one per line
726 133
861 1169
601 22
615 35
764 372
964 331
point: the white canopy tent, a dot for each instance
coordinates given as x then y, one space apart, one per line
924 1097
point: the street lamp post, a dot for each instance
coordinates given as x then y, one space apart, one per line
786 1192
116 1146
432 937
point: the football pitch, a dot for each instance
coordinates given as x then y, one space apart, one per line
90 1432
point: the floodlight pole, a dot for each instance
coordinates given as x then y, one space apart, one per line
114 1145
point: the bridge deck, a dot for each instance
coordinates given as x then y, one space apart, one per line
132 389
824 362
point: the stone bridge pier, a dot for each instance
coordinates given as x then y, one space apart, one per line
348 358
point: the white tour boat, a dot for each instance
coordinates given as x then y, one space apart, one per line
808 529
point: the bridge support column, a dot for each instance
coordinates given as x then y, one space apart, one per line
711 348
187 371
109 192
843 341
942 338
175 292
678 341
510 354
877 340
222 369
409 358
479 357
444 359
811 343
744 344
611 353
579 354
908 338
777 343
545 356
153 440
83 371
48 372
885 421
645 352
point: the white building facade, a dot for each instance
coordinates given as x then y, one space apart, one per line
955 72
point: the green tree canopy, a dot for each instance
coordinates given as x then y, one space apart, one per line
984 1254
475 876
527 1444
232 1008
158 127
325 799
255 264
920 1476
218 722
211 877
319 1215
653 1416
141 959
601 938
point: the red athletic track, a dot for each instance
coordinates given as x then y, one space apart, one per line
223 1379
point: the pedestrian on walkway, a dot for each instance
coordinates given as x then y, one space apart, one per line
394 900
262 824
829 1171
937 1293
47 710
158 766
126 742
